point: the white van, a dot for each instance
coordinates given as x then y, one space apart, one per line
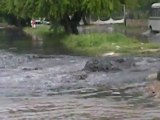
154 19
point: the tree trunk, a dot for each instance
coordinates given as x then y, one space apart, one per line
71 24
84 20
66 24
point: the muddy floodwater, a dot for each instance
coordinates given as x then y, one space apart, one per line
36 86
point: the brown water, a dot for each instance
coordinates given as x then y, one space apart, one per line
50 87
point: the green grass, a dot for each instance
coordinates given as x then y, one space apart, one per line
94 43
40 30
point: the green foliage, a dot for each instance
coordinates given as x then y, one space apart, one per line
140 8
42 30
57 8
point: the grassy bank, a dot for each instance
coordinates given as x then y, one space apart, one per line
41 30
94 44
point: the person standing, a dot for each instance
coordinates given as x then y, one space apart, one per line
33 23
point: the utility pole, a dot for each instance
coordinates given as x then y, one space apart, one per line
124 14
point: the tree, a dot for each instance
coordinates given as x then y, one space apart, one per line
7 11
140 8
67 12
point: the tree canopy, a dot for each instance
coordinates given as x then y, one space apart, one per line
67 12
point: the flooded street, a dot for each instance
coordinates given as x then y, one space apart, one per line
36 86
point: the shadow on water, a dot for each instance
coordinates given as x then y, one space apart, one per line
15 40
53 44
